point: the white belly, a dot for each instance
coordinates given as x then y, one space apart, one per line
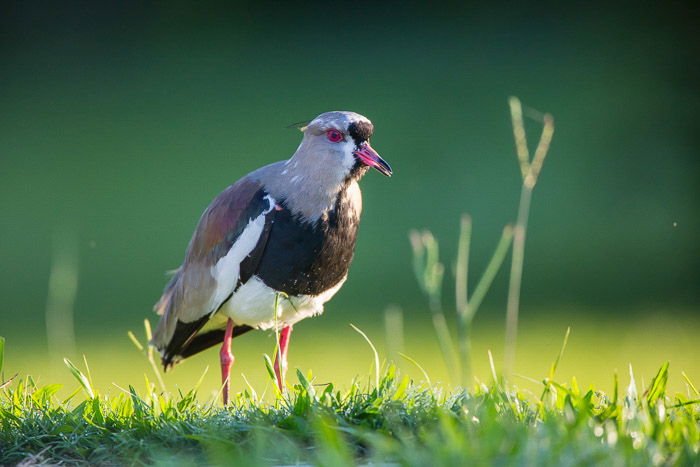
254 303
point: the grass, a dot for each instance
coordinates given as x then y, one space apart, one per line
397 420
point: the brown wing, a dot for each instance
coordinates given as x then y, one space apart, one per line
191 297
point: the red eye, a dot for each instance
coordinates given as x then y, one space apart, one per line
334 136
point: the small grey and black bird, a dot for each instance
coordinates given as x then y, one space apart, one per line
284 234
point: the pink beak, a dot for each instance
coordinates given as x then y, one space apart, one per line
369 157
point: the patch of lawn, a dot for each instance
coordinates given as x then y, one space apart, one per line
398 421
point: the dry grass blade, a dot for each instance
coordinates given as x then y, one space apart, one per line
150 355
5 384
516 116
135 341
35 459
541 151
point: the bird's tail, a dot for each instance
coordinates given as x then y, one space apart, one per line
165 330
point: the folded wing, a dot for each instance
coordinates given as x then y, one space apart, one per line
223 254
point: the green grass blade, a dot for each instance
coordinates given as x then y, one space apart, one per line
657 387
269 367
690 383
686 403
374 351
306 384
253 392
401 389
198 384
493 369
87 371
71 395
425 373
82 379
561 353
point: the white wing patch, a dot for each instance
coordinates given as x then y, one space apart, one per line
226 271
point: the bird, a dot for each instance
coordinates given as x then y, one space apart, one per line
271 249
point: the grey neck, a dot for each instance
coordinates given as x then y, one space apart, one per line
306 190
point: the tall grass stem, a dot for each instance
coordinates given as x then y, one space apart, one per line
529 171
462 264
516 277
461 298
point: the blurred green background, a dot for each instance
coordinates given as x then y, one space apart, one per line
120 123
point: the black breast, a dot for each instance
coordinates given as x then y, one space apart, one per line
307 259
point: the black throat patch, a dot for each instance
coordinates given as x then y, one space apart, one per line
360 131
307 259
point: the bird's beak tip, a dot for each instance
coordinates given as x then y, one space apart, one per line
369 157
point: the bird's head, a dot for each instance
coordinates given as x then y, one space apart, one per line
339 142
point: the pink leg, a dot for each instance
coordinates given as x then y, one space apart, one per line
281 357
226 360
